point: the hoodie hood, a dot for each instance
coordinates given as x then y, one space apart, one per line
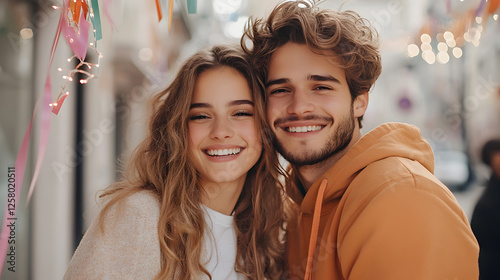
386 140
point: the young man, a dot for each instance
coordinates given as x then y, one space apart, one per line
369 206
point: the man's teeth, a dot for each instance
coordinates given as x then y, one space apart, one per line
304 128
224 152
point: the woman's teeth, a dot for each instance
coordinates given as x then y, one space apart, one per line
224 152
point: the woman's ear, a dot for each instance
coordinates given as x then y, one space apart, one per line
360 104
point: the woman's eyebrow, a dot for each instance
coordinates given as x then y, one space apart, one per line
231 103
240 102
200 105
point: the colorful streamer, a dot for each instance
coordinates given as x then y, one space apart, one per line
492 7
76 6
106 13
20 164
170 13
95 18
77 39
192 6
158 9
58 104
480 9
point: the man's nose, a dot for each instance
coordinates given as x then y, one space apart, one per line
301 103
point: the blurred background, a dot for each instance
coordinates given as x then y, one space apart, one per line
441 72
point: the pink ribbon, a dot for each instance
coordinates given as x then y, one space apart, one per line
106 13
20 164
77 39
480 8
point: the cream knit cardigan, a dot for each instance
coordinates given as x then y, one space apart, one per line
129 247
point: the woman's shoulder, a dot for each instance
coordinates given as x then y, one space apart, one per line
142 199
126 247
142 205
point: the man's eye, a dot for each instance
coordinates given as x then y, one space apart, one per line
279 90
322 88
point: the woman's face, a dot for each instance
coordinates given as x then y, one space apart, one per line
224 137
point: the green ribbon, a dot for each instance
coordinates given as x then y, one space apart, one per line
191 6
96 20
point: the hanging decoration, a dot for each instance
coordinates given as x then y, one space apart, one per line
95 18
158 9
75 26
191 4
170 13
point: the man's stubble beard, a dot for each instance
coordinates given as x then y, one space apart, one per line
339 140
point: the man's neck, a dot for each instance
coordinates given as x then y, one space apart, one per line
308 174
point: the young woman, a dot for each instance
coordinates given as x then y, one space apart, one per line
201 199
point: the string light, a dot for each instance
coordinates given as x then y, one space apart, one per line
442 47
413 50
451 43
425 38
448 35
78 69
457 52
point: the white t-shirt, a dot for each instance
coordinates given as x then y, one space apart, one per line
220 246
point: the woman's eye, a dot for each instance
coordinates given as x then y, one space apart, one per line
243 113
198 117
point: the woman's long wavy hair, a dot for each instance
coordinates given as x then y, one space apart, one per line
161 164
346 34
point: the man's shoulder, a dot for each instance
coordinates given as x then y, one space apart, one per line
397 174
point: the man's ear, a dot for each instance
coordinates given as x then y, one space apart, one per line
360 104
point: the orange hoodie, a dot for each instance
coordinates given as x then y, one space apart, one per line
381 214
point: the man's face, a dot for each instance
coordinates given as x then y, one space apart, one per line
495 163
309 105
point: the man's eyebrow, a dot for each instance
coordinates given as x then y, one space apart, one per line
232 103
277 81
320 78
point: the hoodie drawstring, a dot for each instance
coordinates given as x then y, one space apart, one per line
315 229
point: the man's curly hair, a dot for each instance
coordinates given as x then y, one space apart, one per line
345 35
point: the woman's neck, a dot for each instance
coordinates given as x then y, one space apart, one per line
222 197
